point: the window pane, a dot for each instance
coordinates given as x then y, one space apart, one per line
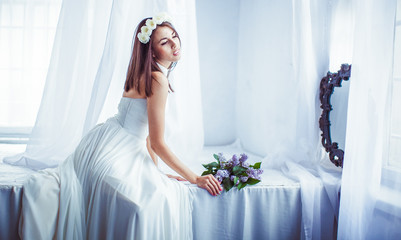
17 15
395 134
17 47
395 152
396 109
4 49
5 15
54 11
27 30
40 48
397 53
40 16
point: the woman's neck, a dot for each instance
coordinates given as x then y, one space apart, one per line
163 69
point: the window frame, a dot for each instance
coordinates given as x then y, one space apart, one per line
20 134
390 174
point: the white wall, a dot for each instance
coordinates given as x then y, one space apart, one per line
217 23
266 82
257 62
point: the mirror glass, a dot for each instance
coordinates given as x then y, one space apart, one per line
338 116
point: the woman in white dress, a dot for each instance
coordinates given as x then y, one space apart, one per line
110 187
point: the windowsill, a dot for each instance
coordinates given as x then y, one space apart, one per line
389 199
15 135
10 150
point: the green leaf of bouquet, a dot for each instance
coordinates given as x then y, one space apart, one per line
238 170
236 179
252 181
214 164
206 172
241 185
216 157
227 184
211 165
257 165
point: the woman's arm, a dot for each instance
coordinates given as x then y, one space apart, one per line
156 113
151 152
154 158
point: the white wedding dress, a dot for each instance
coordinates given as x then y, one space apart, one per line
109 188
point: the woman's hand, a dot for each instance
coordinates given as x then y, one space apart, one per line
210 183
176 177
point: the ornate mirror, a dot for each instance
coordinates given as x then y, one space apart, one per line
338 111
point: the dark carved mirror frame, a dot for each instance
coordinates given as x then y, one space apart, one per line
327 85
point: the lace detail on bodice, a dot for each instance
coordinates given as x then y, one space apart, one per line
133 117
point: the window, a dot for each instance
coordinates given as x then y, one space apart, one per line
394 159
27 29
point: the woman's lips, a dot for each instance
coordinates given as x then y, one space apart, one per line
176 52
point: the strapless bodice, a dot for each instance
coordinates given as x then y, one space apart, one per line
133 117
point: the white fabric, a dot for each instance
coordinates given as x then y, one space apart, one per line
277 98
108 188
246 222
271 209
341 34
87 71
370 194
255 212
11 181
341 43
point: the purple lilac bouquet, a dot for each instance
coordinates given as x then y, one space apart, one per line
234 172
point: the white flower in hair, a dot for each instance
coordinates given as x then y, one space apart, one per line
168 18
161 17
158 19
146 30
151 24
143 38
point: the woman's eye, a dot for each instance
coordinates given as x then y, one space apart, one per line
163 43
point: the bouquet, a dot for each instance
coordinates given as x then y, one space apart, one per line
234 172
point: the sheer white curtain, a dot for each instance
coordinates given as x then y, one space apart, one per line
371 190
87 71
27 31
283 54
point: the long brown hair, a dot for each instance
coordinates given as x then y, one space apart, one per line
142 62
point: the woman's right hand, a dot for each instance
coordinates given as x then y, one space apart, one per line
210 183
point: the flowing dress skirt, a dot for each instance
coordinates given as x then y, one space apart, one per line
109 188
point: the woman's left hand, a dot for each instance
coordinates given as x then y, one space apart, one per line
176 177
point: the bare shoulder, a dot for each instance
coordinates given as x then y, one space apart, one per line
160 79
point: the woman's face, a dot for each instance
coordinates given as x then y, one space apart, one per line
166 46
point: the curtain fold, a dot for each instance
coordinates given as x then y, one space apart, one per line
87 72
370 198
278 104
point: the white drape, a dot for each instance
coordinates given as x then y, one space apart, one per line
88 64
371 191
282 55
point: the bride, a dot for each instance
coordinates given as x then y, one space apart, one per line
110 187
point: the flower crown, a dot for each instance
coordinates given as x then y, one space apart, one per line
151 24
